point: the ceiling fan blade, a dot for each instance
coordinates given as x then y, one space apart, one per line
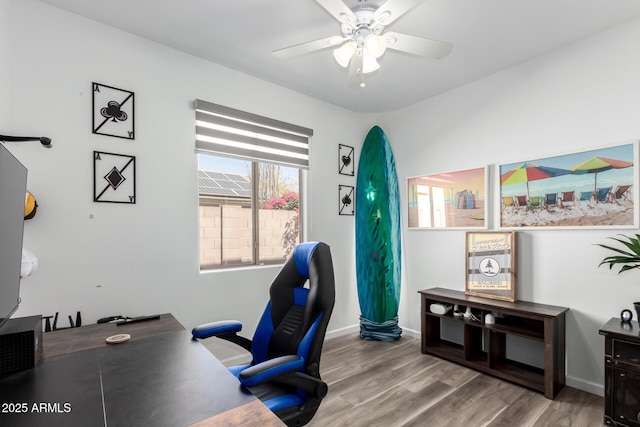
339 10
417 45
394 9
301 49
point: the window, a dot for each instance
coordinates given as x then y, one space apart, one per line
249 185
431 204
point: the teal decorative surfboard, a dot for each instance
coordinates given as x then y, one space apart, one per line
378 250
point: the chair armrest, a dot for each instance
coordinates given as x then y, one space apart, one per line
271 369
224 329
284 370
216 328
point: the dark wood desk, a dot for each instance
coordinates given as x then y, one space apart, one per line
155 379
65 341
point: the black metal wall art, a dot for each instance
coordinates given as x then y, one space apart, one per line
114 178
345 160
346 200
113 111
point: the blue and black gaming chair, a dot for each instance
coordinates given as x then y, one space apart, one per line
286 346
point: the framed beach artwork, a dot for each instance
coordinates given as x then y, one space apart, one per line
449 200
593 188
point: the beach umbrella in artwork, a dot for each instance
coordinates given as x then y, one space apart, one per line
529 172
599 164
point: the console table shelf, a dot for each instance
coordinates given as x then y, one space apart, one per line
484 346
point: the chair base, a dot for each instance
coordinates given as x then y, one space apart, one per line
295 418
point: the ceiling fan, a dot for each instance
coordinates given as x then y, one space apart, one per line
364 39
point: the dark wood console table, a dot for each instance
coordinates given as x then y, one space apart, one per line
161 377
621 373
485 345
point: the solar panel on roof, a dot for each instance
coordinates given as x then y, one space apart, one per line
223 184
208 182
209 191
217 175
225 192
238 178
230 185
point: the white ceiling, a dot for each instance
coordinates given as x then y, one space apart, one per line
488 35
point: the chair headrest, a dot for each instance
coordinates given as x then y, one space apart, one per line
302 255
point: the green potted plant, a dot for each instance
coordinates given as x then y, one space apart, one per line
627 259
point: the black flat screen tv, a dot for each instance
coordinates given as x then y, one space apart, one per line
13 187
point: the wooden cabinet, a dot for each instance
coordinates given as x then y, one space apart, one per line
621 373
484 347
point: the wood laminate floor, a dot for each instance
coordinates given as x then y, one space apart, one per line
392 384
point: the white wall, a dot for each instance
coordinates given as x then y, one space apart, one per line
143 259
5 81
582 96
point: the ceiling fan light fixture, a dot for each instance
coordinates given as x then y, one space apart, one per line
344 53
364 37
375 45
369 64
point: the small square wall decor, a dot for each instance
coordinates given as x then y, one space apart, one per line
345 160
113 111
114 178
345 200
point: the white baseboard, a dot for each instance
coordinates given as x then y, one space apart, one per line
588 386
354 329
411 333
342 331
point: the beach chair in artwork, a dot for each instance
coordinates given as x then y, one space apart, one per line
604 195
550 200
585 196
622 192
521 202
508 204
536 202
567 198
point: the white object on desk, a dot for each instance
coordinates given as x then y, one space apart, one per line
117 339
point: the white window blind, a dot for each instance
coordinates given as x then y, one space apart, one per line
230 132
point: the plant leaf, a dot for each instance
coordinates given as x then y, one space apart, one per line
628 267
611 248
629 259
633 243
